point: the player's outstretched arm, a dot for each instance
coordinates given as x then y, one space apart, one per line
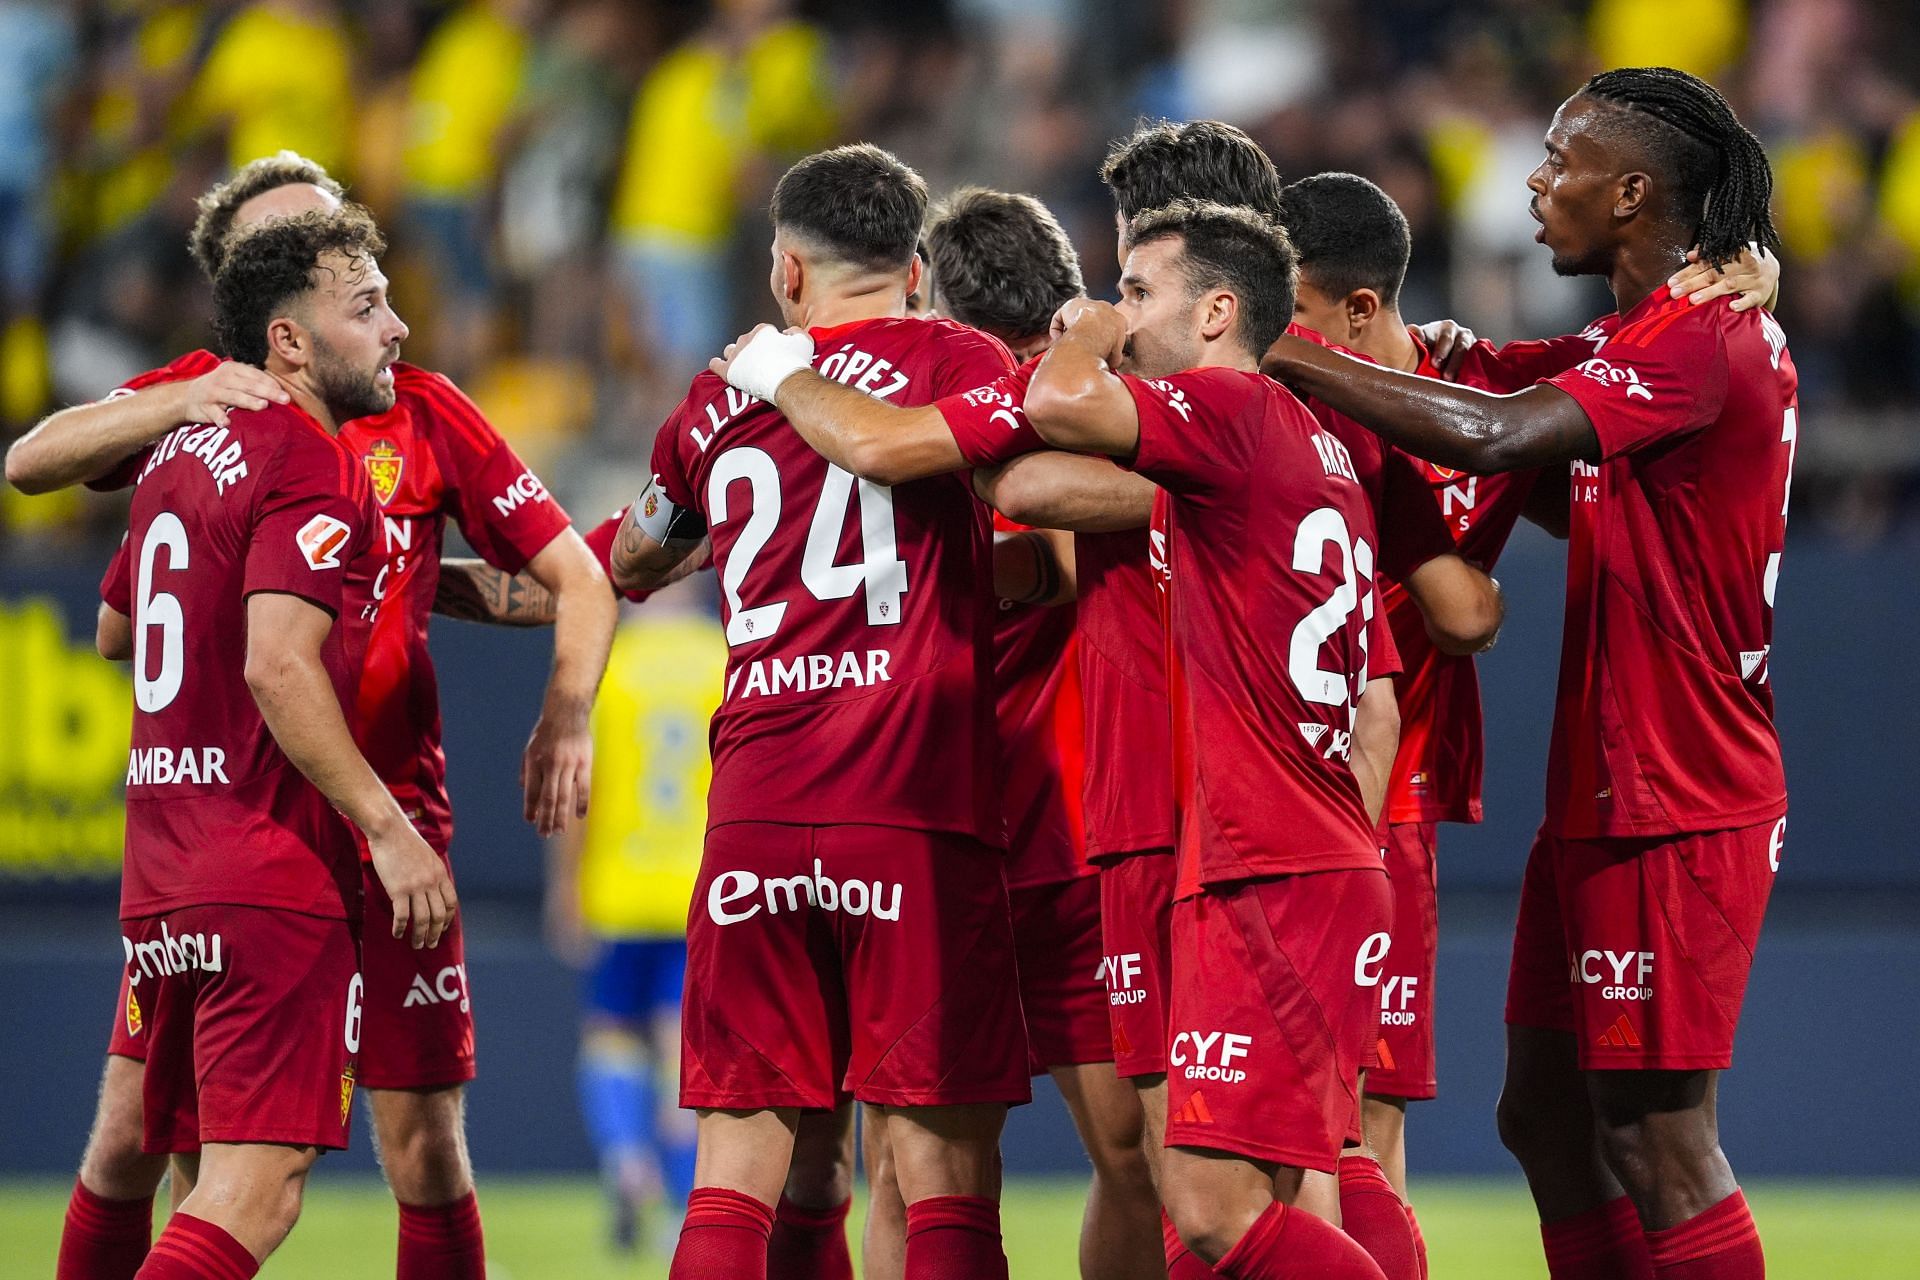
1055 490
85 442
557 771
1376 737
1076 401
1451 425
475 591
113 635
285 635
1460 604
876 441
1035 566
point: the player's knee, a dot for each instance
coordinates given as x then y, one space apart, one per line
821 1182
425 1157
1209 1225
1532 1131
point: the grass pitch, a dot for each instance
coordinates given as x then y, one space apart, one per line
555 1228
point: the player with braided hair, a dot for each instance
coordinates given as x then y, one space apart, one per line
1666 800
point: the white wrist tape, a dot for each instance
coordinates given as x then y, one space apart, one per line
768 360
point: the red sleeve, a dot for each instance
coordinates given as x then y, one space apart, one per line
1383 655
599 540
116 588
669 472
968 359
1653 380
1413 529
188 366
988 422
1519 365
506 514
1193 428
310 520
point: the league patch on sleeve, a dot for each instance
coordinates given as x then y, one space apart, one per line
321 541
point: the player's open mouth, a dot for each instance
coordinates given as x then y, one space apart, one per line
1540 233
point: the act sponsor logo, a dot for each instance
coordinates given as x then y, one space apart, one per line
737 896
1614 375
384 462
1210 1055
321 540
1121 974
167 955
525 488
449 986
1620 975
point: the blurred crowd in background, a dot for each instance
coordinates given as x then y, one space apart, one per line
575 189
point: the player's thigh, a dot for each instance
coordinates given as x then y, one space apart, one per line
932 987
946 1150
746 1151
418 1020
252 1190
116 1165
1107 1113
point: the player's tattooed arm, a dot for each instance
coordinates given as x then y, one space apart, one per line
113 634
1376 737
1076 401
475 591
87 441
1452 425
876 441
1055 490
655 542
1034 566
289 682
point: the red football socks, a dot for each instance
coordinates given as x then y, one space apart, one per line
1720 1244
1601 1244
1290 1244
1419 1241
1373 1214
1182 1262
724 1237
103 1239
809 1244
955 1238
442 1241
194 1249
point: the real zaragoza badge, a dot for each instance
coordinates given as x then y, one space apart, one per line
384 461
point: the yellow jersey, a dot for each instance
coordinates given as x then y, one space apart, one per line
276 80
463 90
647 816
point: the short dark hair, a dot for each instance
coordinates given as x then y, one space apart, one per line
1721 182
1001 262
1232 248
1200 160
858 202
273 262
1348 234
214 223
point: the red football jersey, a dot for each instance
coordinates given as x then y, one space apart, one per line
1270 605
859 616
216 814
1128 795
431 456
1664 721
1036 677
989 422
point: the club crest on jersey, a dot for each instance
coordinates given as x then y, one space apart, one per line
321 540
384 464
346 1094
1444 474
651 507
135 1022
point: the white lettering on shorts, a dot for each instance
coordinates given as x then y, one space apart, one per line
738 896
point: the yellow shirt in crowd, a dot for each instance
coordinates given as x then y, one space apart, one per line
462 91
277 80
647 818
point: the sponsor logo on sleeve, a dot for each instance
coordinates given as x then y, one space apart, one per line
321 540
525 488
1614 375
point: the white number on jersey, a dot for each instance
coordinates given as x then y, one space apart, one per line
1317 684
879 572
159 610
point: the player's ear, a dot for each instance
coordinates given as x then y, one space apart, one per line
1632 196
916 274
1362 306
793 276
1221 309
287 339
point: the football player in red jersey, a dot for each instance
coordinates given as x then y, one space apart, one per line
429 455
1666 798
1264 539
850 930
240 898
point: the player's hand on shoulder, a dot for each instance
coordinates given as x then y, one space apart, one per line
556 772
231 385
761 359
1751 279
1448 342
416 881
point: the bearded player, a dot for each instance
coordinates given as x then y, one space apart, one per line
1666 798
850 930
428 456
240 901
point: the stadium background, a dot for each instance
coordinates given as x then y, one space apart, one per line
574 192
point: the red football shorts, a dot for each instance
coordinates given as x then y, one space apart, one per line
1056 939
1405 1064
129 1037
252 1020
1136 922
419 1012
870 961
1274 1007
1641 947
